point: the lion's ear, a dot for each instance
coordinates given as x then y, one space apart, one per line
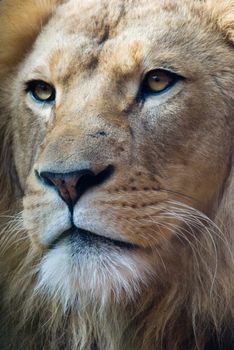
20 23
222 16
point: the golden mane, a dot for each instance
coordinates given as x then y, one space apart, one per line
18 33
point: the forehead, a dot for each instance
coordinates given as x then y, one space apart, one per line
104 19
122 34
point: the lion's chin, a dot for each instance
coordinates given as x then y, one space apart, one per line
90 273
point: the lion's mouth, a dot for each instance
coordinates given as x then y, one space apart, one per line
85 239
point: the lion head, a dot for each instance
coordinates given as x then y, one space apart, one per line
116 178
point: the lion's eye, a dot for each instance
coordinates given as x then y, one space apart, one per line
41 91
158 81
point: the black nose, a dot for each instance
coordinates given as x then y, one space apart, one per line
71 186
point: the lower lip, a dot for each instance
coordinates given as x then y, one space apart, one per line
89 239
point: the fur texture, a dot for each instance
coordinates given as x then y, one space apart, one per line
170 195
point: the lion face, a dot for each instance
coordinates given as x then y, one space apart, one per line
116 174
119 126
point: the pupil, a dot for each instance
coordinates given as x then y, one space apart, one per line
44 88
156 78
43 91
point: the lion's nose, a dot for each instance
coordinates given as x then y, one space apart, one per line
72 185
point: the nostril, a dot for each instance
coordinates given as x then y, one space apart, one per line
90 180
45 178
67 183
71 186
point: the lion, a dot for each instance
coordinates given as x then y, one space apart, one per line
116 175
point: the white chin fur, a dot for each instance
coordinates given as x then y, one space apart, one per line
81 279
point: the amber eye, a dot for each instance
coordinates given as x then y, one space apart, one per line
158 81
41 91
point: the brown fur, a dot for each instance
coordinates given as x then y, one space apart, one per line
172 188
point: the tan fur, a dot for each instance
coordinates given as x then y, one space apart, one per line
222 13
171 191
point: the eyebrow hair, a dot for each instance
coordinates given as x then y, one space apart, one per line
40 72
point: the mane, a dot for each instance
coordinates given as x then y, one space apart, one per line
183 310
20 23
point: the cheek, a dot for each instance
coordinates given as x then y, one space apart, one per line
189 152
45 215
30 129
